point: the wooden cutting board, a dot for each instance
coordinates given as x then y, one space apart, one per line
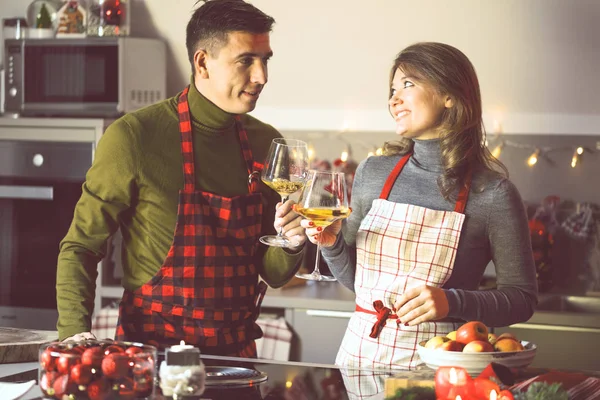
21 345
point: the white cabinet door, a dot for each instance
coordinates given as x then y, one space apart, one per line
320 333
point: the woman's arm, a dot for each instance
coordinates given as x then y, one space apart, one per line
515 298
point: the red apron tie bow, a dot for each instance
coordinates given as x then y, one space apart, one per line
383 313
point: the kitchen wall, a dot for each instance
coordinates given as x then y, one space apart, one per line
536 59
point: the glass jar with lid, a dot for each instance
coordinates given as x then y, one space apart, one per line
108 18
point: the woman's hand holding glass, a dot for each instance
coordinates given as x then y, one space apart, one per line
324 203
324 237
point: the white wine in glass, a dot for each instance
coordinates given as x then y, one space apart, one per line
323 200
285 171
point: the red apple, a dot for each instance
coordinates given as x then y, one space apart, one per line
451 345
470 331
478 346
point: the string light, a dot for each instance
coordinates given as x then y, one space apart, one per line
344 156
311 151
498 150
576 154
537 152
533 158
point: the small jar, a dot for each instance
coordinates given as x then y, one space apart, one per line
108 18
182 374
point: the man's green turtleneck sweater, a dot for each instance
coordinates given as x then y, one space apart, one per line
133 184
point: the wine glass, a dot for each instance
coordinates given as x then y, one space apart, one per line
285 171
323 200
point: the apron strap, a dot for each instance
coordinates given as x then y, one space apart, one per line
254 168
187 147
391 179
463 195
461 201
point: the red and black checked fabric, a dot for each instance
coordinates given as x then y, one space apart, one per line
207 291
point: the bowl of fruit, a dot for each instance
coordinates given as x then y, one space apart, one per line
473 347
97 369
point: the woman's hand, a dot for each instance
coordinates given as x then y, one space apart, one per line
290 221
421 304
325 237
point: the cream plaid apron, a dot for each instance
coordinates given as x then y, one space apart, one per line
398 246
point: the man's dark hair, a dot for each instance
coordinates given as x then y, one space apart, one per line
212 21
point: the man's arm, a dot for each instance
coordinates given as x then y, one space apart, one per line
107 192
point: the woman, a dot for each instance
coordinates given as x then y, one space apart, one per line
427 218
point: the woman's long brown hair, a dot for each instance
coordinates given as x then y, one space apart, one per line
462 135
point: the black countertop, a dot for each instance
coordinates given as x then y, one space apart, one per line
298 381
285 381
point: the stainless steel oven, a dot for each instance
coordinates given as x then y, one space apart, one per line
40 183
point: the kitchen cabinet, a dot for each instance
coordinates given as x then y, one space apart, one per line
320 333
43 162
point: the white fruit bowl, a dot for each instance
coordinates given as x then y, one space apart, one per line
474 363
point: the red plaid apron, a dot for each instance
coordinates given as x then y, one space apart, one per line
207 291
398 246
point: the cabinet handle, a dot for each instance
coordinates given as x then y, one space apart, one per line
555 328
10 317
26 192
326 313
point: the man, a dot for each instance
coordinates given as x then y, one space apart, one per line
184 166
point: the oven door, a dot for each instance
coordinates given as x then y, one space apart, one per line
40 183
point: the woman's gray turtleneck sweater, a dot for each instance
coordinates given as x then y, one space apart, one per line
495 229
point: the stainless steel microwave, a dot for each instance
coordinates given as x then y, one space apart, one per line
91 77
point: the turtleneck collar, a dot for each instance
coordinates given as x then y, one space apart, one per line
206 115
427 154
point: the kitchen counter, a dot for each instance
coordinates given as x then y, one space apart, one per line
333 296
285 379
315 295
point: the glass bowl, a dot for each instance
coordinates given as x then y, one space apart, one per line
97 369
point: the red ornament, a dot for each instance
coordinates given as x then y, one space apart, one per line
47 382
63 386
113 348
143 384
98 390
93 357
115 365
82 374
133 350
66 361
125 388
47 360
